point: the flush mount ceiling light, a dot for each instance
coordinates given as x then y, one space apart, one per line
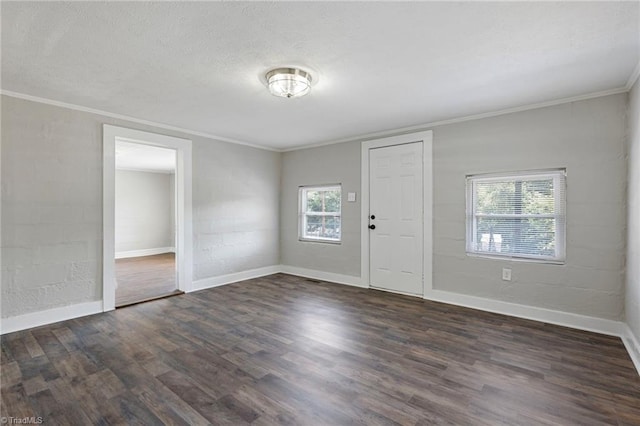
288 82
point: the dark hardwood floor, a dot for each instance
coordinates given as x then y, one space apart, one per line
287 350
145 278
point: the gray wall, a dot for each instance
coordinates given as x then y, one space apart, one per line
587 138
52 206
632 297
143 210
338 163
236 205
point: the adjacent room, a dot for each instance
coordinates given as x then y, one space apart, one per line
145 223
364 212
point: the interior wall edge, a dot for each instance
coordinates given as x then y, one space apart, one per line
632 345
212 282
565 319
323 276
633 77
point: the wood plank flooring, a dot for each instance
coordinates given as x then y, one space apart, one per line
145 278
287 350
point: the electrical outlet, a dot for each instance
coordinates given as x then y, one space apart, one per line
506 274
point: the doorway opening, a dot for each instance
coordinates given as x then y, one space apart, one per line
145 223
146 216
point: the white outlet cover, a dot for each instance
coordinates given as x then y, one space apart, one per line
506 274
351 197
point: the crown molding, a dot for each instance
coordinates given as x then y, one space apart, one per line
431 125
129 118
361 138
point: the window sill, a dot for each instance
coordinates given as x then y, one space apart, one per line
310 240
516 259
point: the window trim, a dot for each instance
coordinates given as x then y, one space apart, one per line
302 214
559 177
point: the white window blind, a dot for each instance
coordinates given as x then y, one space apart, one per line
519 215
320 213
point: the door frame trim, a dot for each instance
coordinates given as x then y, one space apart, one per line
426 137
184 226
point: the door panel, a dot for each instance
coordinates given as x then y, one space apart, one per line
395 199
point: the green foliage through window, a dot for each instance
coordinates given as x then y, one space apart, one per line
320 213
517 216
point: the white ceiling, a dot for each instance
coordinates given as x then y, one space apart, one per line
379 65
144 158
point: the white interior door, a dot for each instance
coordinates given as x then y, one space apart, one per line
396 218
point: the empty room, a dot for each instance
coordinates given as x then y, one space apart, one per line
320 213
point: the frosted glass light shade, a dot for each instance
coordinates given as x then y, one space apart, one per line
289 82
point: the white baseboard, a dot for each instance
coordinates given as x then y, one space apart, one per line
268 270
566 319
232 278
144 252
323 276
633 346
580 322
50 316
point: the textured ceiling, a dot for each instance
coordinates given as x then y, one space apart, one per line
379 66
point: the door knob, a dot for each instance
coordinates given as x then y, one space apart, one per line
372 227
373 216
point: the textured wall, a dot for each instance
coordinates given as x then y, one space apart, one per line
587 138
236 193
338 163
143 210
632 297
52 206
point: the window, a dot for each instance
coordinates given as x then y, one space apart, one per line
320 209
518 215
